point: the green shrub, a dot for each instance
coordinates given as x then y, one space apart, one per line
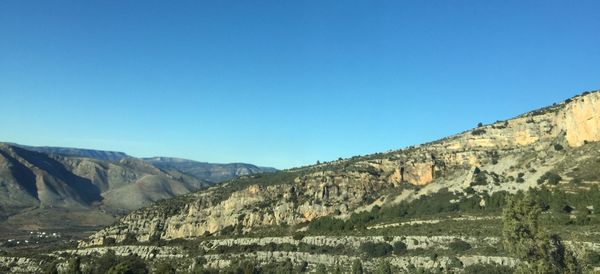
558 147
130 265
480 179
383 267
321 269
74 266
165 267
301 267
487 268
454 262
52 268
357 267
592 258
108 241
298 236
551 177
376 249
459 245
102 264
399 248
478 131
129 239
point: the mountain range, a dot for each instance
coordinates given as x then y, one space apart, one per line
39 182
480 201
424 199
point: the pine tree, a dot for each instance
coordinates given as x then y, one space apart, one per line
524 239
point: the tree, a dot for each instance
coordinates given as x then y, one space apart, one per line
130 265
459 245
526 240
165 267
321 269
383 267
74 266
51 269
376 249
105 262
399 248
357 267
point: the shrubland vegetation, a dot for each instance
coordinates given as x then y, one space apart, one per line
432 205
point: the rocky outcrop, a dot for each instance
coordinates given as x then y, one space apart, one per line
580 119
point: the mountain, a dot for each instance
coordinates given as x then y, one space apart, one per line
208 171
42 186
436 206
35 182
456 205
78 152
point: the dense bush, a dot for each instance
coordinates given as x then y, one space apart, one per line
357 267
165 267
399 248
454 262
478 131
558 147
376 249
108 241
551 177
487 268
459 245
480 179
252 267
110 263
424 206
129 265
129 239
592 258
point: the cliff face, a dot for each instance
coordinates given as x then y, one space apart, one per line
580 119
338 188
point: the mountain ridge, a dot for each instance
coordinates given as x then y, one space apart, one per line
344 187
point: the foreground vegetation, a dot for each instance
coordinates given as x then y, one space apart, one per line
532 226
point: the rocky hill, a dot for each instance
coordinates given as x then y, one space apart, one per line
514 154
208 171
432 208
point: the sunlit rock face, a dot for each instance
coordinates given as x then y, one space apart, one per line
581 119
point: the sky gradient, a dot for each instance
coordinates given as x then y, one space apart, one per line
283 83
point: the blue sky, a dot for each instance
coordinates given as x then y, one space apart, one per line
283 83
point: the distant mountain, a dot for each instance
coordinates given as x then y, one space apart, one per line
79 152
50 183
211 172
208 171
41 186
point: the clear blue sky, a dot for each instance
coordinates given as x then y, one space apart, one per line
283 83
